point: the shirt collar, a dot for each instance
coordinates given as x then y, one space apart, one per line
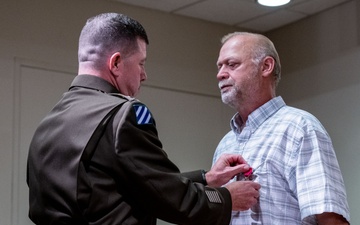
258 116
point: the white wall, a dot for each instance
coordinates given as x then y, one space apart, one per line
320 56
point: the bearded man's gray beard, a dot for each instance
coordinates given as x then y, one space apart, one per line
229 98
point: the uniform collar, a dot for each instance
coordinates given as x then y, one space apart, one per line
93 82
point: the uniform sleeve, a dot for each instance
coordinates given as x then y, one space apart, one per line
196 176
155 183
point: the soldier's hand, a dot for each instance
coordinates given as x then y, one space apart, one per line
244 194
225 168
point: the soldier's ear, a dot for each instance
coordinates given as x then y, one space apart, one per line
114 62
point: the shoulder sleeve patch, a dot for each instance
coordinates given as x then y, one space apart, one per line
143 114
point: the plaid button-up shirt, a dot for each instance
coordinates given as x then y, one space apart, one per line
294 161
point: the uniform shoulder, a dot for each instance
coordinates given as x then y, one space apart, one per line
135 107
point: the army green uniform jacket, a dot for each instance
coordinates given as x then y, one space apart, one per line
96 159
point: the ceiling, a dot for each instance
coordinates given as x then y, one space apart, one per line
245 14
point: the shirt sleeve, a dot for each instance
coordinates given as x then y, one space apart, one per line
155 182
320 186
